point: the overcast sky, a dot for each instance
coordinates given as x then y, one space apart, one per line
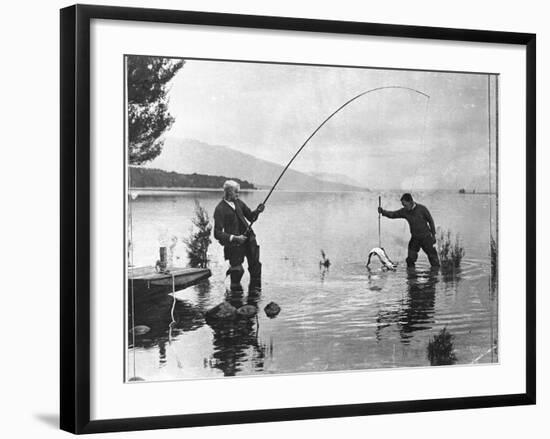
392 138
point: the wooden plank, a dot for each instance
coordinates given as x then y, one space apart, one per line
149 273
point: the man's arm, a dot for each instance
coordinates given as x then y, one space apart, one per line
393 213
249 214
430 220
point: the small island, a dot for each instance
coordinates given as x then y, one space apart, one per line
141 178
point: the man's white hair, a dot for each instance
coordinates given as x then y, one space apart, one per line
231 184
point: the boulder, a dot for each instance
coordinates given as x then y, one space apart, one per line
247 311
140 330
223 311
272 309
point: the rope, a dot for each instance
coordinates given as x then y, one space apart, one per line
174 297
172 323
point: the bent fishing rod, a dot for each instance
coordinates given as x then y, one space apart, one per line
320 126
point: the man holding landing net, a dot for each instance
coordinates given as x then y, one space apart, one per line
422 229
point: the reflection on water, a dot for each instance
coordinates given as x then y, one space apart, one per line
345 317
416 308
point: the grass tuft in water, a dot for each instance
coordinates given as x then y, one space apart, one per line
441 350
199 239
451 252
324 262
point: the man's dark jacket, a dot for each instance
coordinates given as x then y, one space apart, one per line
418 218
229 221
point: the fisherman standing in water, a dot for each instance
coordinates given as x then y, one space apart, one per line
232 231
422 228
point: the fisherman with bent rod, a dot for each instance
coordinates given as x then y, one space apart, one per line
231 229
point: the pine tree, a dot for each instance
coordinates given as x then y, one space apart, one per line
199 240
148 116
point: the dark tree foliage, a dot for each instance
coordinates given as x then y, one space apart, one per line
199 239
148 116
149 177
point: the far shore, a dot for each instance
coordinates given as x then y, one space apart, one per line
172 191
168 190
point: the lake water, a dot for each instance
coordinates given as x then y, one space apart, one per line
343 318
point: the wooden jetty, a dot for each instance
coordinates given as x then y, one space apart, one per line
143 281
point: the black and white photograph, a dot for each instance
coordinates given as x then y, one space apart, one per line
275 219
298 218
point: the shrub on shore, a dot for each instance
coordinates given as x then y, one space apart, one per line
199 239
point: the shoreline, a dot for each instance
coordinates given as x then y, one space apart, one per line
159 191
171 191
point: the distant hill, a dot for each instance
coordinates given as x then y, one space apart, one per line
146 177
190 156
336 178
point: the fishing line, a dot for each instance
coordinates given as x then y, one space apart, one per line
422 139
130 214
322 124
423 162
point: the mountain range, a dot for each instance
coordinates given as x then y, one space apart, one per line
188 156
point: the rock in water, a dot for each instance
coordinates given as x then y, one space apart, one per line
140 329
272 309
247 311
134 379
223 311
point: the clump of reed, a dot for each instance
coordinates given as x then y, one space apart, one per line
493 259
441 349
324 262
199 239
451 252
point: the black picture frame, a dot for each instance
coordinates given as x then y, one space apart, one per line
75 216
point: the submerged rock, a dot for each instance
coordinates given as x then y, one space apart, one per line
134 379
247 311
272 309
140 329
223 311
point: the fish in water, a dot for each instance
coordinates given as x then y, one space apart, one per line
384 258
